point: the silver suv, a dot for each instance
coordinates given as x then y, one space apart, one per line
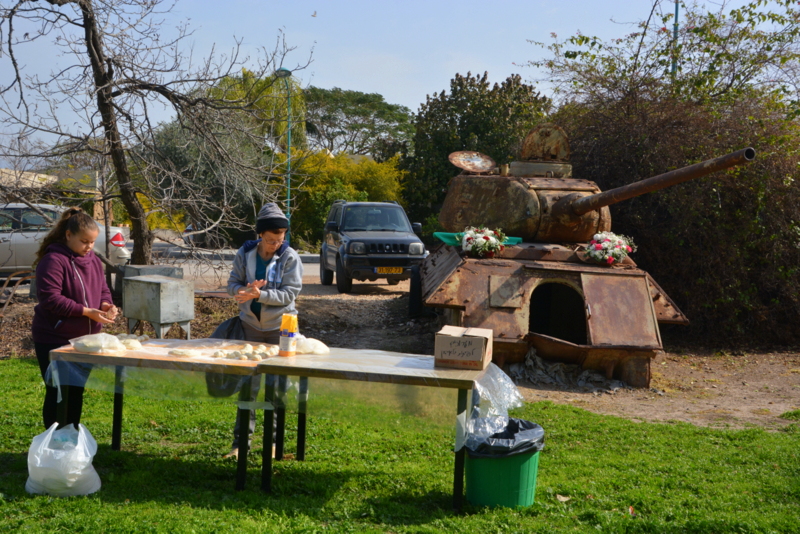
22 230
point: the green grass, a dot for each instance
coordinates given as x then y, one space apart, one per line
379 460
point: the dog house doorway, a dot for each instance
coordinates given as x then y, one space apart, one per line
558 310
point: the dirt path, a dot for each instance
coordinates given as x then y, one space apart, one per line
726 390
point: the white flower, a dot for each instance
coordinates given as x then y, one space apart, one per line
610 246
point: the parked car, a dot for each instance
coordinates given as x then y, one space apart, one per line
22 230
368 241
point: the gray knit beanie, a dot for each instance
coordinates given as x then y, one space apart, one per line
270 217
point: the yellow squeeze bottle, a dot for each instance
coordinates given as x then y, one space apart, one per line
288 341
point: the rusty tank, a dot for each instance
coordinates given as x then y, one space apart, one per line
543 292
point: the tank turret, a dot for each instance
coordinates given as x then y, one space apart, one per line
543 294
538 200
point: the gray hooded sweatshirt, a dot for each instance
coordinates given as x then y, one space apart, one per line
278 296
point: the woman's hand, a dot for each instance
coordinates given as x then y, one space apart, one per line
97 316
252 291
109 310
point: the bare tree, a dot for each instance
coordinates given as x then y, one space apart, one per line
121 72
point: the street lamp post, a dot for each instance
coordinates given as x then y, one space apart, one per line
286 74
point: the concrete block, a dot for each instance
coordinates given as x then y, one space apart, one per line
158 299
147 270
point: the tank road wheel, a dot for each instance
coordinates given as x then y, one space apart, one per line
325 274
415 293
343 282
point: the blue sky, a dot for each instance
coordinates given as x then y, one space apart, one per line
405 50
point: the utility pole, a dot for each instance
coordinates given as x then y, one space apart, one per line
675 42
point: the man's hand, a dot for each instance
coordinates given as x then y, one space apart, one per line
252 291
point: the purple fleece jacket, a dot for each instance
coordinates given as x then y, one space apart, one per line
65 283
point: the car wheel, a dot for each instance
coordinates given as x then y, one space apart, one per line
393 282
343 282
415 293
325 274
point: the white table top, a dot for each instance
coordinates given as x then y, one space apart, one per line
371 366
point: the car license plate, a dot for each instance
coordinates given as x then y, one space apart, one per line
388 270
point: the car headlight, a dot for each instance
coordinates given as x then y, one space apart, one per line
416 248
357 247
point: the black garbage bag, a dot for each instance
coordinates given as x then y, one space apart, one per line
222 384
498 437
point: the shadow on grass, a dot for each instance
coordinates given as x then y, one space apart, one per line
208 482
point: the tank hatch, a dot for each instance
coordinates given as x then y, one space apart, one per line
472 162
544 152
546 142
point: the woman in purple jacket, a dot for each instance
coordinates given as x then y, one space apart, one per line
74 300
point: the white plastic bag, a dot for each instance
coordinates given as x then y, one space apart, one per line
307 345
60 462
98 344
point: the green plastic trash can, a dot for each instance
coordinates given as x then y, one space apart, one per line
501 468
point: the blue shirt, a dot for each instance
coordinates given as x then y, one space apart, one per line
262 266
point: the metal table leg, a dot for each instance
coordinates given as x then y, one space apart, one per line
302 406
116 421
269 418
280 414
458 471
243 416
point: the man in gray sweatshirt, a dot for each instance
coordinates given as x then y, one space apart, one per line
266 278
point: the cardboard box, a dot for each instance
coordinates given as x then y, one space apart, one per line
463 348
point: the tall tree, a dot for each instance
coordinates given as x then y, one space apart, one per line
353 122
120 67
474 115
204 184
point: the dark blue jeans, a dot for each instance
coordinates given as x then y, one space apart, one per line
271 337
74 375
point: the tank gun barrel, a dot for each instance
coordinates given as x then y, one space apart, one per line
698 170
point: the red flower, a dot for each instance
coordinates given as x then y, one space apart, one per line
495 233
598 246
629 249
486 237
610 260
469 239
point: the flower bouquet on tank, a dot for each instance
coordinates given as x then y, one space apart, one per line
609 249
482 242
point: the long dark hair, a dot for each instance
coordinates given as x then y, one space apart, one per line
75 220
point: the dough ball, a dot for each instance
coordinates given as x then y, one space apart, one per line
131 343
184 353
